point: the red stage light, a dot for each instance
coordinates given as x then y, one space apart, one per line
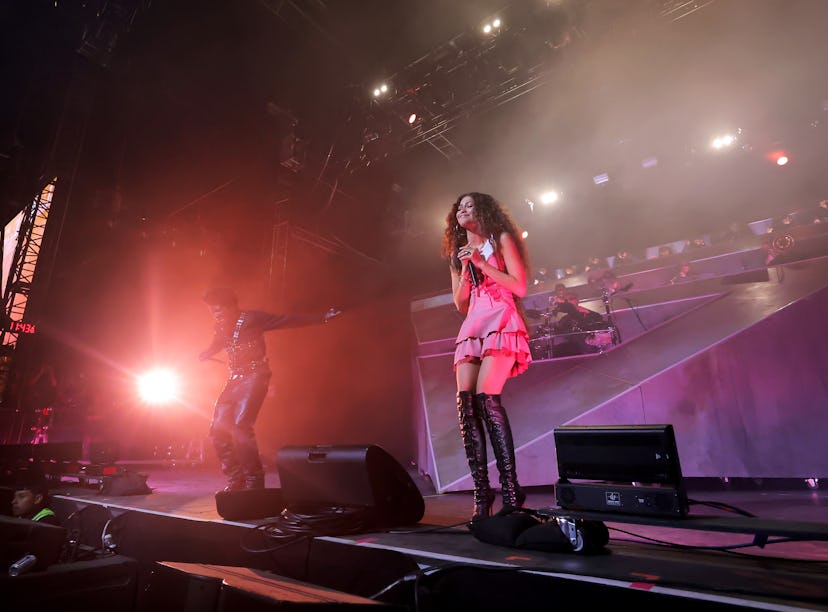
779 157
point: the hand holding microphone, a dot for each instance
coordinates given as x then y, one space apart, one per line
465 255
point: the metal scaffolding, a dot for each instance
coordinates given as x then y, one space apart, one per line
22 268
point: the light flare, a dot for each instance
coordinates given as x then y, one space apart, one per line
159 386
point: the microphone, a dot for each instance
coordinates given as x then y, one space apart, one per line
473 275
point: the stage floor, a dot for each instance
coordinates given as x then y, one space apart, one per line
659 558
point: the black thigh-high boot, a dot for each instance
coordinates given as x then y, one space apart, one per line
226 452
474 441
500 435
221 433
251 395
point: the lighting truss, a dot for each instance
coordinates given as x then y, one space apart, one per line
22 268
470 75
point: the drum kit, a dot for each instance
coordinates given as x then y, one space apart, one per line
567 329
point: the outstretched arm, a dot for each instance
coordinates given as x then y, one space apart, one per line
270 321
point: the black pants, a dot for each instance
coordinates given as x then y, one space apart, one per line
232 430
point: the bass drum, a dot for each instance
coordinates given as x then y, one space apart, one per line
540 347
599 339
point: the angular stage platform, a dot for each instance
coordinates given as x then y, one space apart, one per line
714 559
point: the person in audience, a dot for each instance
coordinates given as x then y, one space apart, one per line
488 263
683 272
821 212
665 251
697 243
609 282
559 294
593 264
735 231
31 501
624 257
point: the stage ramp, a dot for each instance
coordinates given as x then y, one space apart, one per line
736 363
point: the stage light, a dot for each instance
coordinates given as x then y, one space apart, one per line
779 157
525 234
412 118
383 88
600 179
720 142
650 162
158 386
491 27
377 92
549 197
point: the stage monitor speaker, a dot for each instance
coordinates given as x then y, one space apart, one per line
109 583
249 504
20 537
125 483
618 453
365 478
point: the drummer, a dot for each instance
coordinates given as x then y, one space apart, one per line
576 325
561 305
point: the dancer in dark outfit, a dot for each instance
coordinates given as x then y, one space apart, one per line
241 334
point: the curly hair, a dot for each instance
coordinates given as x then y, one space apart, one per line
493 219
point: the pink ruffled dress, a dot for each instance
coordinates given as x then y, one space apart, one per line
493 323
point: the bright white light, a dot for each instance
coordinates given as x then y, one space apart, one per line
525 234
600 179
377 92
159 386
720 142
383 88
781 160
549 197
487 28
412 118
496 23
